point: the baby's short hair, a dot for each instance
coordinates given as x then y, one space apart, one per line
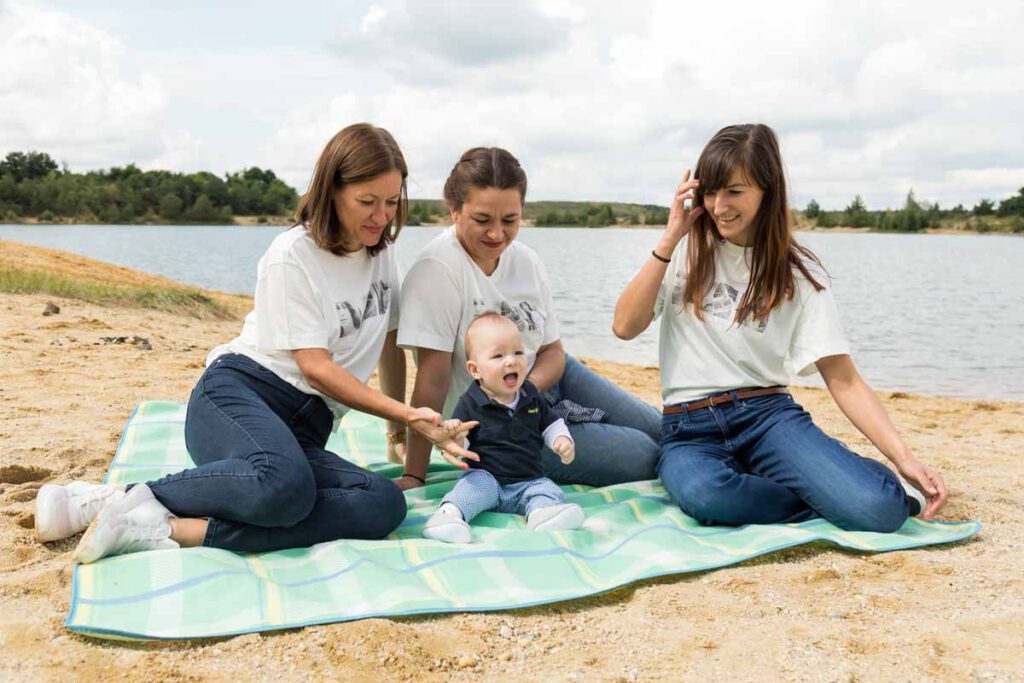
486 316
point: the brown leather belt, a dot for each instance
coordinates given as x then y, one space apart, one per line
724 398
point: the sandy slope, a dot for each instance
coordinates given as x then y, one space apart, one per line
811 613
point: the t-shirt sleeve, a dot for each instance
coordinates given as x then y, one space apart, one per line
431 303
289 314
818 333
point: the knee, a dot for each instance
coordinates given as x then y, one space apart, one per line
710 501
286 500
878 513
388 507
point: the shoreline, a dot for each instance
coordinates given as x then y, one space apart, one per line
813 612
285 221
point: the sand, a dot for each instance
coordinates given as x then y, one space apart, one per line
810 613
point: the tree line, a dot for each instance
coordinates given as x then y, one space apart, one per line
33 185
915 216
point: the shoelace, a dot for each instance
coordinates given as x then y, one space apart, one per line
88 506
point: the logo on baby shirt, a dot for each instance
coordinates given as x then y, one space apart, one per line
376 302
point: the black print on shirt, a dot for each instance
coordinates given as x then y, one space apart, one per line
376 302
721 303
526 316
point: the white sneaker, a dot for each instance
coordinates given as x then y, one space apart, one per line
132 524
447 525
555 518
63 511
914 494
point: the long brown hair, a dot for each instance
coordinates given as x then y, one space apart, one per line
754 149
483 167
357 153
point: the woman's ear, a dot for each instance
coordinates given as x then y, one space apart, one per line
454 212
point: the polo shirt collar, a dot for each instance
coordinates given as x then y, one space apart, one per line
482 399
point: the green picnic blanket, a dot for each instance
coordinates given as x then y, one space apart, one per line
632 532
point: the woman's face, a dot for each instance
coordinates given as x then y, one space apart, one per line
487 223
366 209
734 207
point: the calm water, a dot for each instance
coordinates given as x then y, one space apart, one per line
930 314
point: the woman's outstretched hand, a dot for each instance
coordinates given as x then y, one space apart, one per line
927 481
447 436
681 219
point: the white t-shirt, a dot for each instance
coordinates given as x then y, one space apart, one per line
445 290
716 355
307 297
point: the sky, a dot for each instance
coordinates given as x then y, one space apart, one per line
599 100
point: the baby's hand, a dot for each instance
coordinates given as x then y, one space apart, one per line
451 426
565 450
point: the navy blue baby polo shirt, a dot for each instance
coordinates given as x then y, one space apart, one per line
509 442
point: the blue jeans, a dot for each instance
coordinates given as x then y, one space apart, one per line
263 478
762 460
622 448
478 491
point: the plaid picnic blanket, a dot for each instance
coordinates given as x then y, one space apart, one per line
632 532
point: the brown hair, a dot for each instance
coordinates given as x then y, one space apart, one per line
483 167
493 316
356 154
754 149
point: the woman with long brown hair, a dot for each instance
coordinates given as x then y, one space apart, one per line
325 314
742 304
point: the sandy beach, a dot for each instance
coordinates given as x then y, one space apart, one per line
811 613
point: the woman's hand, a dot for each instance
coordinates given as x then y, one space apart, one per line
927 481
680 219
447 436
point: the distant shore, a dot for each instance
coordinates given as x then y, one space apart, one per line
287 221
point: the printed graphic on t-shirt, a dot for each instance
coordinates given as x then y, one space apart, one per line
721 303
524 314
376 302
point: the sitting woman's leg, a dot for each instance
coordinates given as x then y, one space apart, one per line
251 468
623 447
852 492
350 503
709 485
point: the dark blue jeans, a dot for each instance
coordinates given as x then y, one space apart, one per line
762 460
263 477
622 448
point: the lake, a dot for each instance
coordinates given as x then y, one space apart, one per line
930 314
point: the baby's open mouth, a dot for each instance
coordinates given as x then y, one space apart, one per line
511 379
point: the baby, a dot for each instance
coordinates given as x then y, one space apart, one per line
515 424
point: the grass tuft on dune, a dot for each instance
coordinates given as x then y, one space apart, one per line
27 269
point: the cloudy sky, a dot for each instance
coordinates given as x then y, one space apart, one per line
599 100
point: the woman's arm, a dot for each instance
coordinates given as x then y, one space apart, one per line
392 383
634 310
863 408
548 366
433 376
324 375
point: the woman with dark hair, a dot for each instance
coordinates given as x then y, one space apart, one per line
477 266
325 315
741 303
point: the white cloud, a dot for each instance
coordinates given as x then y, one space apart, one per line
65 88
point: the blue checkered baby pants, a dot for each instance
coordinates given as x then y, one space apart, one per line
478 491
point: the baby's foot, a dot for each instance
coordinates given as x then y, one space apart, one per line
555 518
447 525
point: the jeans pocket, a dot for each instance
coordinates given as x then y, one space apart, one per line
671 425
762 402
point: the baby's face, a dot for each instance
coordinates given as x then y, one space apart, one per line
498 359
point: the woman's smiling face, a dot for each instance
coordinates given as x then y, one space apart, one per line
365 210
487 223
734 207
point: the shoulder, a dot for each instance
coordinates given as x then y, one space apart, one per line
291 246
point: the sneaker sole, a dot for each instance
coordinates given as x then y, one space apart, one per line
50 498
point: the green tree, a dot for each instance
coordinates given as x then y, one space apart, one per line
813 209
27 166
203 210
985 207
170 206
857 214
1014 206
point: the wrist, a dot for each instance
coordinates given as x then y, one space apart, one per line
666 246
418 478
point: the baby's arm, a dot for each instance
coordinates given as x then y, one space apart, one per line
558 439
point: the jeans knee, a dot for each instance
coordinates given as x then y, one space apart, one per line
388 504
879 514
286 502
